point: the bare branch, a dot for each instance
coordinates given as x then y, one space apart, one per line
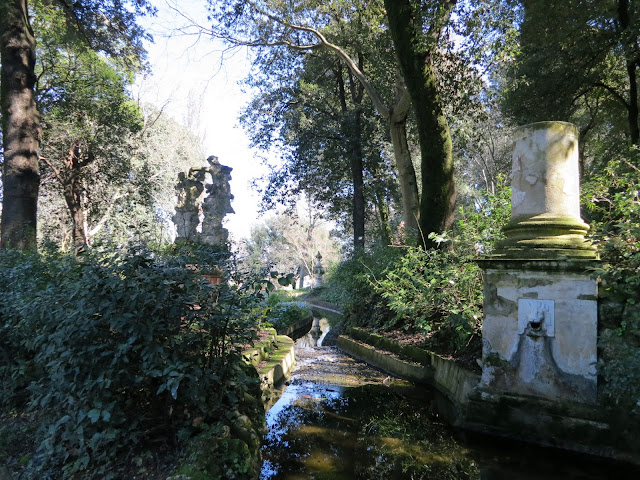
112 203
52 167
631 165
611 90
353 67
148 125
378 103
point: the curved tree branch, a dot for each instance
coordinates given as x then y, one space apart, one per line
612 91
112 203
353 67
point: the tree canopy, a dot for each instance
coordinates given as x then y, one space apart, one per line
364 37
108 27
348 40
579 62
345 91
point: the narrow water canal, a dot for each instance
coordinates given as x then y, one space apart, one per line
341 419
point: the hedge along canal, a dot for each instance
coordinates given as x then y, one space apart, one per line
342 419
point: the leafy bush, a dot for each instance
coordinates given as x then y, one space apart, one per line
350 285
284 314
122 351
437 293
23 274
280 296
434 291
613 203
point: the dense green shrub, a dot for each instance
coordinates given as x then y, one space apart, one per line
613 203
350 286
22 275
282 315
434 291
437 293
122 351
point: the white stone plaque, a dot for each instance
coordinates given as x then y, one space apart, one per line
536 312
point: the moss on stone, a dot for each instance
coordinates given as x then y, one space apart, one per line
552 126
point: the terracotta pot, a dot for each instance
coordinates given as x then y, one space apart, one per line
213 279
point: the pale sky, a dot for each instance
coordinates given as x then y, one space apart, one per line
191 72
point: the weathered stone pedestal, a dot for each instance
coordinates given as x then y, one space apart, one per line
539 379
540 304
540 329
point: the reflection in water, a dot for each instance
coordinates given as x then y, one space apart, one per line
341 419
315 336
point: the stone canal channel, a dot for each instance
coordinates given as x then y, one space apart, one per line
339 418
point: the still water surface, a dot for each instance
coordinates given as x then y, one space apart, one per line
341 419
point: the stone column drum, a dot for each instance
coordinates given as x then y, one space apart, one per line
540 303
545 199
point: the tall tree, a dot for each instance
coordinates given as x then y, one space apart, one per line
309 26
329 139
106 26
416 27
89 122
125 183
20 127
579 61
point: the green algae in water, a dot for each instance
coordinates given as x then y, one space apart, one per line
365 432
341 419
400 437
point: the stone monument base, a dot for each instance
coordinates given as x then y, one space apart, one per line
540 329
574 427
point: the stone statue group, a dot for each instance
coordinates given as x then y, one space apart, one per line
194 205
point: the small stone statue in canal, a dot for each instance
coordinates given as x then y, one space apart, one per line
318 271
215 205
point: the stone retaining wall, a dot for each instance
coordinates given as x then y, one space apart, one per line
411 363
408 370
575 427
279 364
278 354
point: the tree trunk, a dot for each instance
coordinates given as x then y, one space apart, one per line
352 128
20 127
357 166
383 215
634 127
438 186
406 172
72 191
630 48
